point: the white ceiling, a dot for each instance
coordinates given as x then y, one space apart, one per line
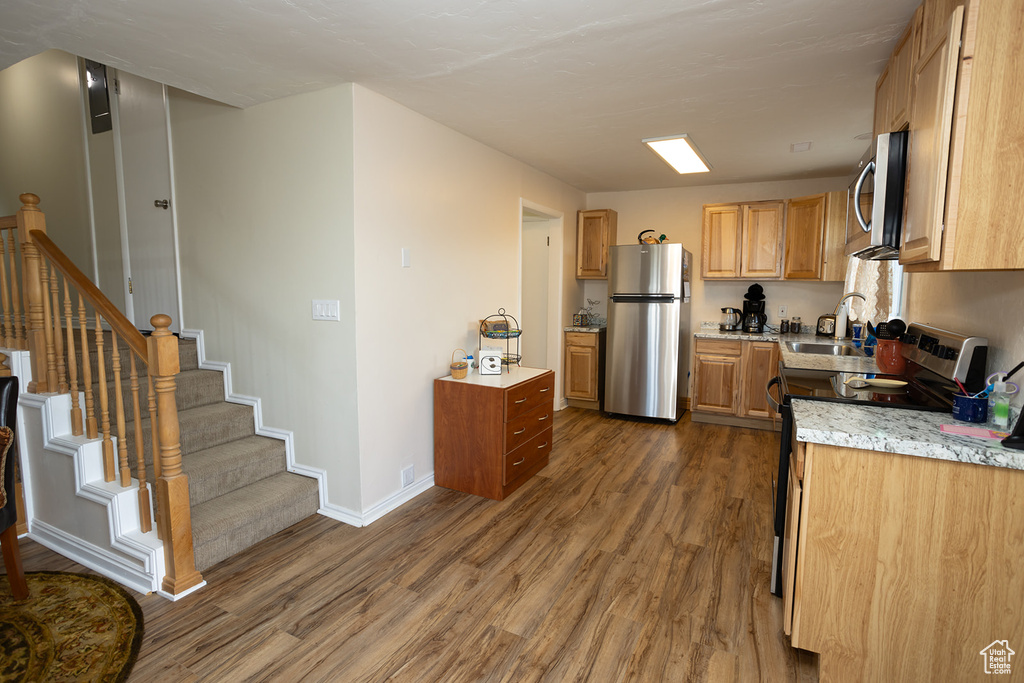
567 86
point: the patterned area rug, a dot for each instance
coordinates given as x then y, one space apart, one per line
72 627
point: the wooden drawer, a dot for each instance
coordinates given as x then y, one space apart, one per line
581 339
527 457
525 427
522 398
718 347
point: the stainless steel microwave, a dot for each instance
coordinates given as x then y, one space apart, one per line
874 218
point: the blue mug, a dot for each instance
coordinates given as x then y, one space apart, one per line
968 409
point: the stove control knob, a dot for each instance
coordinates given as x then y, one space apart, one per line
939 351
952 353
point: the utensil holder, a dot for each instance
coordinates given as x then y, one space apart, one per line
460 368
889 356
970 409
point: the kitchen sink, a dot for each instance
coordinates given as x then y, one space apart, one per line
824 349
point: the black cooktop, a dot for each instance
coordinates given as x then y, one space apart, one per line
924 390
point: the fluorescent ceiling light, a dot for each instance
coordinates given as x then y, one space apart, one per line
680 153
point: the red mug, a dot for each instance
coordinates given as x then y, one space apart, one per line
889 356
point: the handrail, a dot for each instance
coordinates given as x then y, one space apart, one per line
117 321
7 222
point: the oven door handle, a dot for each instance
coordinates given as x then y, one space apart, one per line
774 381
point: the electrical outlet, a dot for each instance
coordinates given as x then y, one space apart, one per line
326 310
783 311
408 476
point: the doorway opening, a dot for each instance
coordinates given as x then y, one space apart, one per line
540 286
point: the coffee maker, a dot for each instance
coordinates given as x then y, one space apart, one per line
754 316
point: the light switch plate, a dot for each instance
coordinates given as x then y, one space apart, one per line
324 309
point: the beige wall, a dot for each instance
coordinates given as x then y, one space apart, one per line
266 226
984 304
42 148
677 213
456 205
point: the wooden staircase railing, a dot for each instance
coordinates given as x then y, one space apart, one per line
60 303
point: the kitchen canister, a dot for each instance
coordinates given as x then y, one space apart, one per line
889 356
459 367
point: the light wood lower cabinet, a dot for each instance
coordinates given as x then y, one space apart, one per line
492 433
730 376
584 369
905 568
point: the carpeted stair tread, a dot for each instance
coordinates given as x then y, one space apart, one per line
193 388
204 427
228 524
188 358
215 471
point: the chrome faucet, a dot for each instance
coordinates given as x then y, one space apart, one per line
845 297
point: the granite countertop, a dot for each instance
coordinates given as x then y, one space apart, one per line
889 430
589 328
799 361
909 432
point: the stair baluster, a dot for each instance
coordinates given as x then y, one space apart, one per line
76 407
51 352
91 428
154 428
145 521
122 436
19 323
58 336
109 466
5 297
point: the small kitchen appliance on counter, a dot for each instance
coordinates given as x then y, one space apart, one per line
935 360
754 316
732 320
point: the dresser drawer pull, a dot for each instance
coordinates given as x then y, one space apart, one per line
519 462
542 445
521 400
519 432
541 419
545 389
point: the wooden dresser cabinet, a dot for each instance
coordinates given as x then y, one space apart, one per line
584 369
492 432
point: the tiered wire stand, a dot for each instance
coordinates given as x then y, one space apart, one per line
501 325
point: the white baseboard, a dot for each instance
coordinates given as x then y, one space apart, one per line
327 509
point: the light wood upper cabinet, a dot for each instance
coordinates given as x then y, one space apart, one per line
834 258
979 223
595 232
933 19
720 246
901 71
761 247
930 137
883 89
805 230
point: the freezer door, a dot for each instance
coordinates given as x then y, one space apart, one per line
646 269
641 374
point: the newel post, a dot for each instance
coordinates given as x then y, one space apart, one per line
30 218
175 518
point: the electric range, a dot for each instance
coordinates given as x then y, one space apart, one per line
935 360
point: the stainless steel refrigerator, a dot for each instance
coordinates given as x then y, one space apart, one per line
648 329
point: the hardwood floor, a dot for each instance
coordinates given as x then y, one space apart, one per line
641 553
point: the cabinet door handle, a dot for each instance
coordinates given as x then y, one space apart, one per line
541 419
542 445
519 432
545 389
520 461
521 400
